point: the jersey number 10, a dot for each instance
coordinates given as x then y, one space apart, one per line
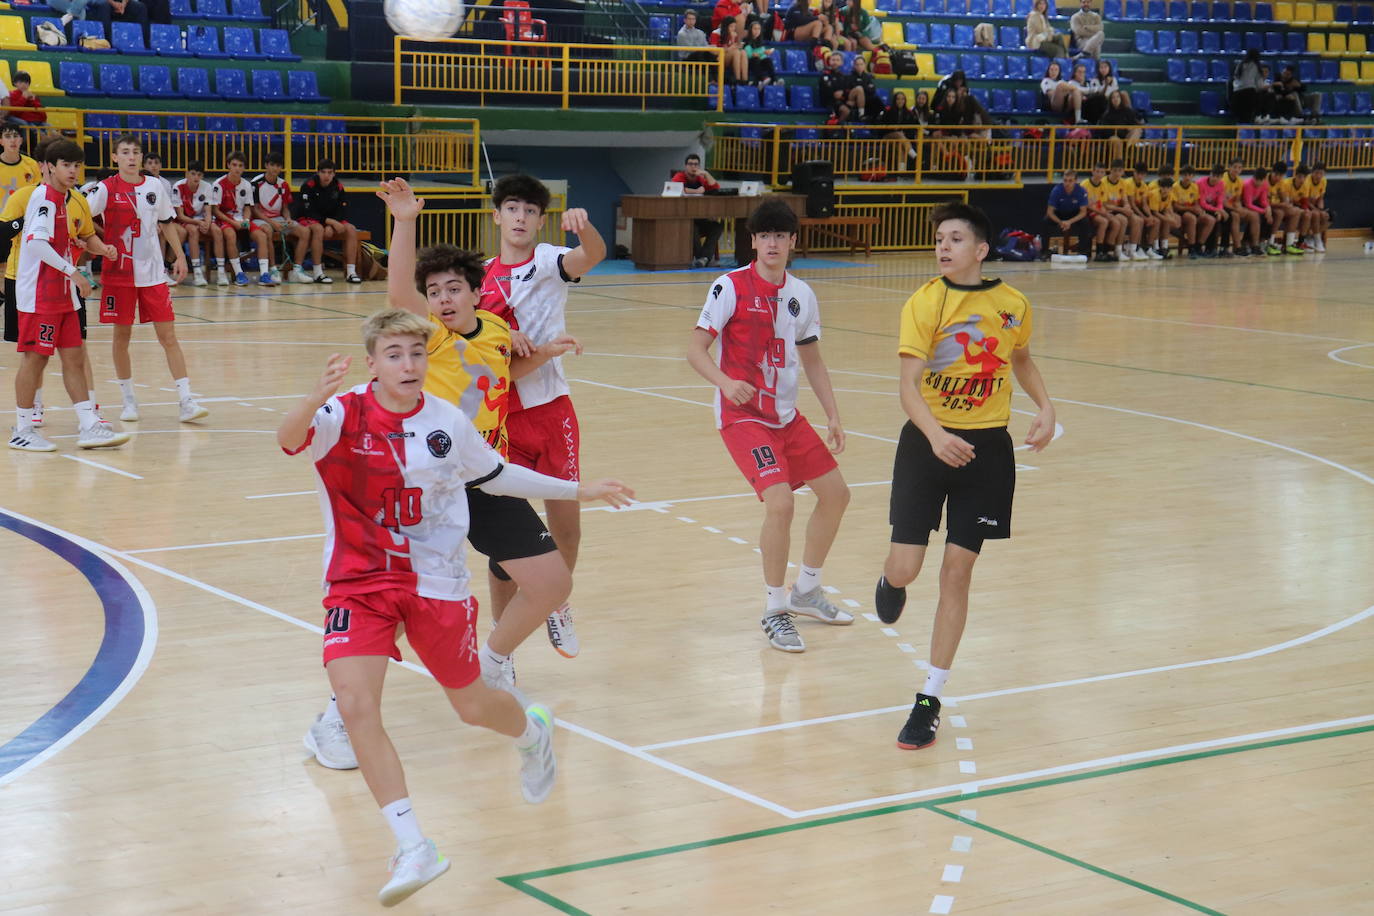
401 507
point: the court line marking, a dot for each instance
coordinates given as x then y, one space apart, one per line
520 881
114 631
289 537
1336 355
275 495
103 467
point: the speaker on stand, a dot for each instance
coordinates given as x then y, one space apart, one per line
815 179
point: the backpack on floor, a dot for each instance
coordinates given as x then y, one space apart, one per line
1015 245
371 262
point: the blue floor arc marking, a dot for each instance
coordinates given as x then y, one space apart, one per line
125 650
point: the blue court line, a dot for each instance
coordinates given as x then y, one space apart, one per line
127 646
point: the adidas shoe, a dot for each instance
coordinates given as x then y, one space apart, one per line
782 632
221 278
538 768
920 727
412 869
814 604
889 601
322 278
328 741
192 410
98 435
130 412
562 636
29 440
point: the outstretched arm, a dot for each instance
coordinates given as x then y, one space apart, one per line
295 427
405 209
591 247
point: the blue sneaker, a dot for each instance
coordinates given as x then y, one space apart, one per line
240 279
266 280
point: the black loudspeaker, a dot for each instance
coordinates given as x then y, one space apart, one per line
815 179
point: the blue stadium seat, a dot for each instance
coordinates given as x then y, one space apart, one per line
933 6
1220 71
1134 11
1345 12
228 128
1209 103
1197 71
1339 103
145 126
889 6
1144 41
1253 41
1177 70
1230 43
660 29
127 38
1200 11
1009 38
1155 11
1187 42
1018 68
194 83
1264 12
746 98
1296 43
1273 42
1140 101
166 41
1178 10
979 9
249 11
1210 43
155 81
994 67
1364 13
917 34
203 42
945 64
181 9
1329 71
940 36
276 44
1307 71
1002 102
1111 10
264 126
267 86
962 36
983 98
885 96
849 61
231 84
118 80
803 98
214 10
713 93
55 23
102 126
806 135
75 78
1361 104
1166 42
1026 101
301 86
1240 11
89 28
795 60
1002 8
238 44
972 65
183 123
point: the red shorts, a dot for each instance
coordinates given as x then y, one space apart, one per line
791 455
236 226
546 438
309 221
48 332
117 304
442 633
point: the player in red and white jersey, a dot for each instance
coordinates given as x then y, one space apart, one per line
47 285
233 212
138 217
194 198
527 286
271 209
391 465
767 324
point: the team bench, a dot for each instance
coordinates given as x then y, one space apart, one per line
854 231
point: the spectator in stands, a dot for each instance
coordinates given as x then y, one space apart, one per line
730 9
323 200
705 232
830 13
1066 213
30 114
1246 81
863 80
1088 33
962 113
860 30
945 91
802 24
758 55
1099 88
1040 36
898 118
1123 121
838 90
922 110
1292 102
108 11
689 36
728 39
1059 96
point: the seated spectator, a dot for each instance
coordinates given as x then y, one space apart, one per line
1067 212
922 110
959 120
1292 102
730 9
1246 81
897 117
30 107
1099 88
1087 30
689 36
985 35
1123 121
1209 211
863 81
758 55
706 232
859 29
830 13
802 24
728 40
838 92
1059 96
1040 36
945 91
1256 199
108 11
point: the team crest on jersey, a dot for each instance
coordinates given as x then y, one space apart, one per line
793 307
367 442
1009 320
717 290
439 443
151 197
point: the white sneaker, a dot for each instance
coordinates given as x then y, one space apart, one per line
99 435
1320 246
199 278
562 636
275 274
1123 256
328 741
1153 255
782 632
502 677
299 276
815 604
130 412
221 278
191 410
29 440
1139 255
538 769
412 869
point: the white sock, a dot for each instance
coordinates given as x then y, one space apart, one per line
350 271
126 388
85 414
1292 238
808 579
400 817
38 399
66 19
935 681
331 712
319 270
195 263
490 658
1118 250
530 737
24 417
183 388
234 263
91 395
777 598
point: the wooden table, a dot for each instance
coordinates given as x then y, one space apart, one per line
860 237
663 231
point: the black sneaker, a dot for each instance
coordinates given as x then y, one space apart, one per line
888 601
920 727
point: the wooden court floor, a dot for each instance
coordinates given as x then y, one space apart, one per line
1162 703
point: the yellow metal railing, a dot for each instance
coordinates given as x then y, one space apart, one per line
360 147
550 71
1007 154
463 218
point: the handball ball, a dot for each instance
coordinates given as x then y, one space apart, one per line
430 19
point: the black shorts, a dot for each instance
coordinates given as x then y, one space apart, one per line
505 528
979 493
12 314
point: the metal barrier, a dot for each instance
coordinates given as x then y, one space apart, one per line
361 148
463 218
1005 153
548 71
903 218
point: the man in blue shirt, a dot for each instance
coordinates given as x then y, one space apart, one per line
1067 213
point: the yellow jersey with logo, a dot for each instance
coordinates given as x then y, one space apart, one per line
472 371
966 335
1142 191
1234 186
80 224
21 174
1097 194
1316 190
1156 199
1118 191
1184 197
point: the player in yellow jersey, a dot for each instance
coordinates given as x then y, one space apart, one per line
961 337
470 365
1159 198
16 170
1110 226
1288 216
1196 216
1140 200
1314 195
1118 203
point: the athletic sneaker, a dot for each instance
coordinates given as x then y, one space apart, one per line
191 410
221 278
920 727
502 677
782 632
1139 255
240 279
412 869
1153 255
562 636
1272 250
275 274
299 276
814 604
538 769
130 412
328 741
97 435
29 440
266 280
1194 254
889 601
1293 249
1226 253
198 277
1319 245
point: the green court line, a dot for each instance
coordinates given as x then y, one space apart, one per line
1138 885
521 881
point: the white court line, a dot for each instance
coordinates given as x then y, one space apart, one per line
1336 355
275 495
292 537
103 467
1098 763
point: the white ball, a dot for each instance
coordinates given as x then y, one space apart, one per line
424 18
